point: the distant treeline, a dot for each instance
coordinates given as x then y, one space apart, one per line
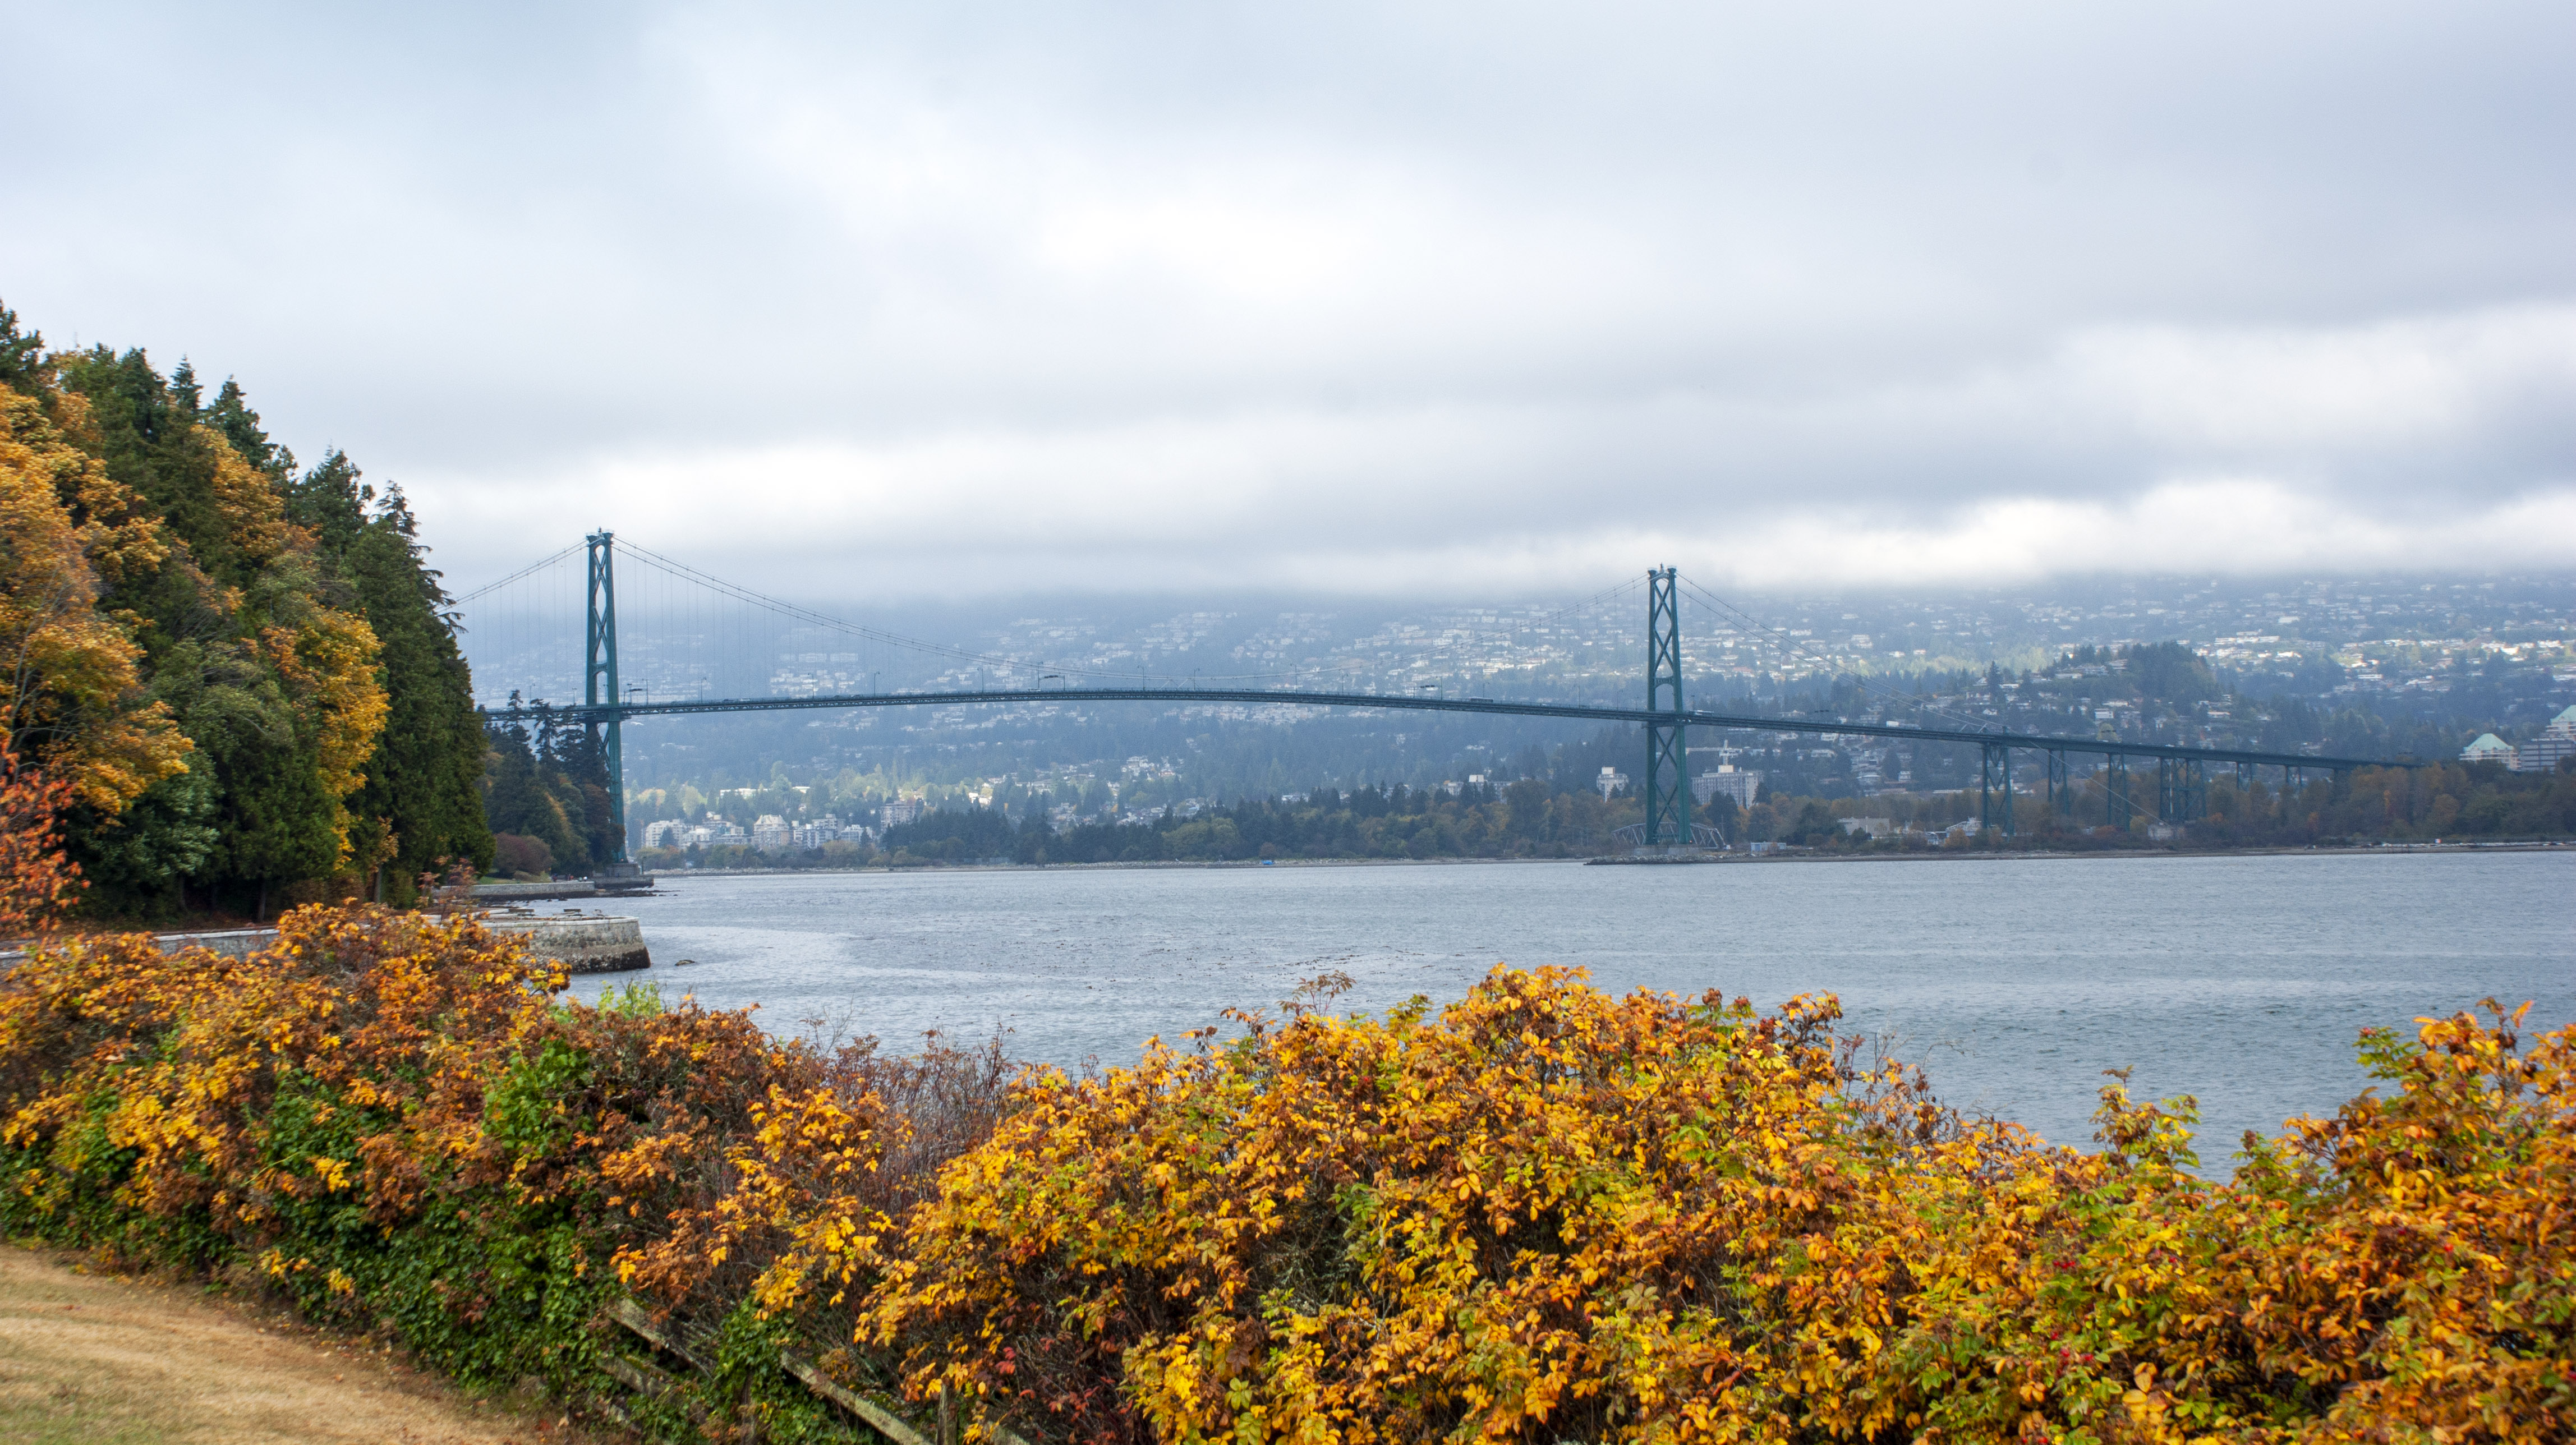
2448 801
1526 819
245 670
1522 820
546 793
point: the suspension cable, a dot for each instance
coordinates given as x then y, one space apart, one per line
522 574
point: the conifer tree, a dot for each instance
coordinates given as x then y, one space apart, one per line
195 663
422 802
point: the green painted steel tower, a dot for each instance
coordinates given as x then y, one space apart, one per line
1668 792
599 679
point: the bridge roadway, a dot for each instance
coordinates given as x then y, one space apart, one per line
1574 712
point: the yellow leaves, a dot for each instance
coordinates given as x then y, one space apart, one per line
1659 1221
254 515
1548 1199
328 663
74 673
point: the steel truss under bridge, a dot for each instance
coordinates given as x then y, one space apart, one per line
2182 789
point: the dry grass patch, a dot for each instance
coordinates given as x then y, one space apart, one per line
91 1360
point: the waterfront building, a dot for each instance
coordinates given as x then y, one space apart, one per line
2544 753
1741 784
2488 749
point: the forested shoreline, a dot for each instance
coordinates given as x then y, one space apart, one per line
243 669
2465 803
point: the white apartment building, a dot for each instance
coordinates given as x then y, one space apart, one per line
2488 749
1741 784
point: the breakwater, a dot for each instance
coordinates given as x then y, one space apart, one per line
584 942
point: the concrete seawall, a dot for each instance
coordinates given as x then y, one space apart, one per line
584 942
608 885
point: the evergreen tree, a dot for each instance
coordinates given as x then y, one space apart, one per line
517 798
246 638
422 801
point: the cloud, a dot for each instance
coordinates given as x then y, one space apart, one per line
1485 300
2120 450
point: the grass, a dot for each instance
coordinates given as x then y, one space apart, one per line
87 1359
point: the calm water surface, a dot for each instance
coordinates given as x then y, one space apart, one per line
2240 980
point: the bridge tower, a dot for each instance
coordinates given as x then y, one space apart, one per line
599 682
1668 794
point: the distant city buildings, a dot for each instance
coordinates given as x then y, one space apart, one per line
1742 785
2543 754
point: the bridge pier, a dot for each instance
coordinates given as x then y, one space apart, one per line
1994 767
2118 809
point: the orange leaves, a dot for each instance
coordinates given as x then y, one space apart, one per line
36 882
1363 1228
1541 1214
796 1201
1549 1214
74 683
192 1048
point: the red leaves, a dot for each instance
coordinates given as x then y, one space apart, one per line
37 883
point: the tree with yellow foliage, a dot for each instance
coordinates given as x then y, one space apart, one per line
76 703
186 657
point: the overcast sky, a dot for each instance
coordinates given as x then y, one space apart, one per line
1478 300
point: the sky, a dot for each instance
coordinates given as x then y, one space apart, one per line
1495 301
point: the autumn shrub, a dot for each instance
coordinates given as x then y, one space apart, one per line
37 883
1545 1214
395 1122
1539 1214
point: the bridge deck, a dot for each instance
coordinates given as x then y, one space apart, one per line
1574 712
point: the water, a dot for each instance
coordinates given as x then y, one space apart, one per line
2242 980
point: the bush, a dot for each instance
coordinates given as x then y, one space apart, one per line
1540 1214
1546 1214
393 1122
516 854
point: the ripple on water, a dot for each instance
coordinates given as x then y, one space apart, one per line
2243 981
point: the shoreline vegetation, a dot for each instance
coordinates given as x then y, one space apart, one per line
1538 1212
2480 803
1785 855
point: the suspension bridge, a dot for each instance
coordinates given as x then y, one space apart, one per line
713 649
